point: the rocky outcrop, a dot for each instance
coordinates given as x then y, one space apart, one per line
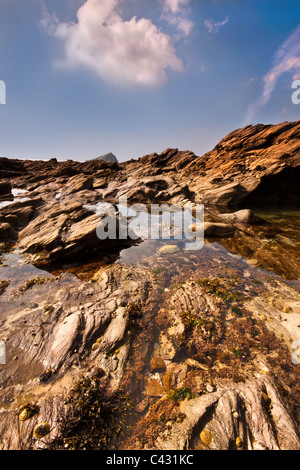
261 161
65 231
249 165
200 400
237 417
204 373
201 342
52 341
108 157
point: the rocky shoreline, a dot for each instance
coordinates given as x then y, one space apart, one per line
182 350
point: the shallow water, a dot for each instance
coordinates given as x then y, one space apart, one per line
284 240
284 243
14 268
16 194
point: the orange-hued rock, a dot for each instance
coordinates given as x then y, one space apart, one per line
154 388
156 364
255 165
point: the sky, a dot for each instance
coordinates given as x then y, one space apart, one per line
132 77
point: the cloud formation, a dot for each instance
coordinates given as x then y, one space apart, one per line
215 26
286 59
126 53
175 6
176 13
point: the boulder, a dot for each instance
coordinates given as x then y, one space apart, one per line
7 233
243 216
212 230
5 189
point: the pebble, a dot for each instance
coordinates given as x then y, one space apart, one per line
168 249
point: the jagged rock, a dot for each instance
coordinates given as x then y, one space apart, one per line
79 183
64 231
60 341
226 343
232 412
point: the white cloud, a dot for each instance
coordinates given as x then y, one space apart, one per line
184 25
214 26
174 6
176 13
126 53
286 59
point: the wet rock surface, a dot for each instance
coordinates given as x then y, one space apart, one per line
190 349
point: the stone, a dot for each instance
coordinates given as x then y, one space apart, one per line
193 363
5 188
154 388
157 364
7 233
212 230
79 183
168 250
244 216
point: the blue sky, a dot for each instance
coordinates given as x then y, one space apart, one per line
132 77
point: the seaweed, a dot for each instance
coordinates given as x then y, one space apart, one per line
93 419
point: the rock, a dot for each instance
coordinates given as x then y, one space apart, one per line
196 228
253 261
7 233
168 381
249 165
224 195
193 363
157 364
64 231
244 216
213 411
212 230
5 188
108 157
79 183
41 430
168 249
17 217
154 388
286 241
63 329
